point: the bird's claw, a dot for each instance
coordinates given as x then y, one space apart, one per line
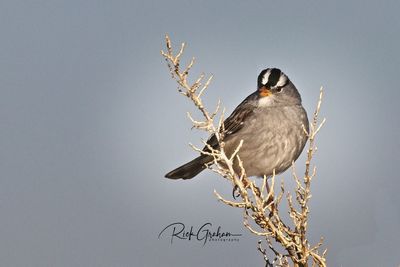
235 192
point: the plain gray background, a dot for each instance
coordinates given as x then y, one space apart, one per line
91 121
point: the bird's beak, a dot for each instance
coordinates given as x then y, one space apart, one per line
264 91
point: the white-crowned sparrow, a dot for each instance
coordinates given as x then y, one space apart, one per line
270 123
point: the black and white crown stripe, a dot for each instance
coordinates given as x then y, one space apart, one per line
273 78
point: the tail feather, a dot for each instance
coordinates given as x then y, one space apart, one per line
190 169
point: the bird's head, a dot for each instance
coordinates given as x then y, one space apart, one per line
275 89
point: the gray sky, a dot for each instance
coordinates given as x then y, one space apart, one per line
91 121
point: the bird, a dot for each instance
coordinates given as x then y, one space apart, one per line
272 123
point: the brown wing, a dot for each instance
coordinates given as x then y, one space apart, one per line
235 121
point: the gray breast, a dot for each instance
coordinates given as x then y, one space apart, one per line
272 139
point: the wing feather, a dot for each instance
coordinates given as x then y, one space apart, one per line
235 121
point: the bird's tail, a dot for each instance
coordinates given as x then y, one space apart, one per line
190 169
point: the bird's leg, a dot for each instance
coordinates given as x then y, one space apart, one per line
267 186
235 191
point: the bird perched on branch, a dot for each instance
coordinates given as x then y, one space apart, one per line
271 123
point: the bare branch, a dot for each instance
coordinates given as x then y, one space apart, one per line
259 207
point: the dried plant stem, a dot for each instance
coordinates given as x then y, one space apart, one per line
260 208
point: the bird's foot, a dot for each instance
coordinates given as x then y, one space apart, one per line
235 192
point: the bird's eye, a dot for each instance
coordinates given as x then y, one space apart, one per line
279 89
